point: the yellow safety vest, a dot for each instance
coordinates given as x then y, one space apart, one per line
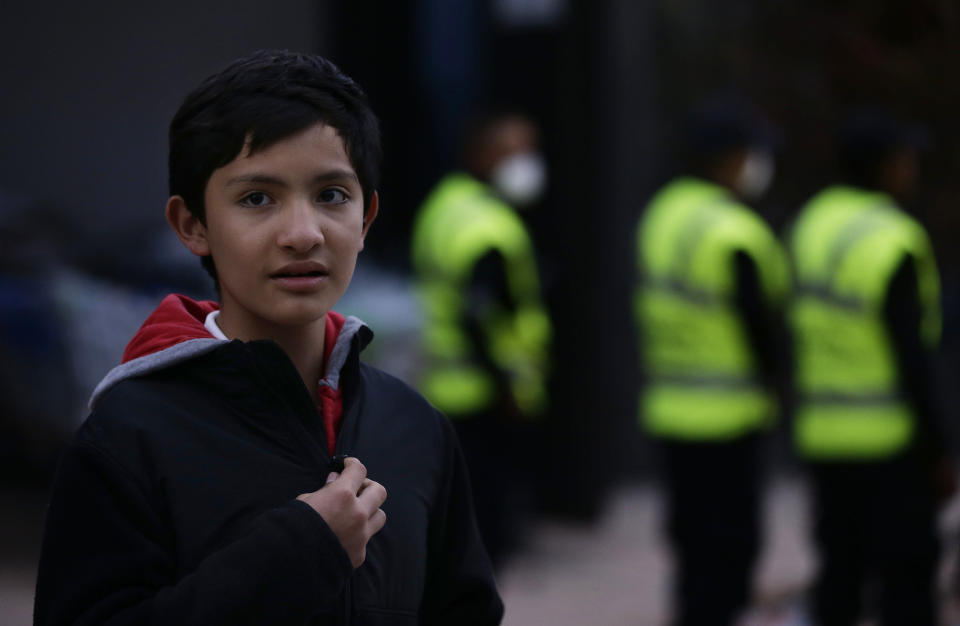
702 377
846 245
460 222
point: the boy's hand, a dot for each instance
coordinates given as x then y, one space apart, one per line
350 505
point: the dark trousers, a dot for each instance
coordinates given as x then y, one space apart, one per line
497 454
876 533
713 492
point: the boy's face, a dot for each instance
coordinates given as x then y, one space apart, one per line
284 227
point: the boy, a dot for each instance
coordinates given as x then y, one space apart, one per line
208 485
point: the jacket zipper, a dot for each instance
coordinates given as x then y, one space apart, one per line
348 587
325 460
348 602
339 453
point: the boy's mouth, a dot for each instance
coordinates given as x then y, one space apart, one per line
305 269
297 274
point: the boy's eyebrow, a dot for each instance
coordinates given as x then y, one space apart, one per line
267 179
255 178
335 175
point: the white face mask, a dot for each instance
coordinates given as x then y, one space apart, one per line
756 174
520 179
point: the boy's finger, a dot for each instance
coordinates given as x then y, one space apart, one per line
354 473
377 521
332 476
373 496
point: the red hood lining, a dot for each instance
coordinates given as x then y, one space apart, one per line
179 318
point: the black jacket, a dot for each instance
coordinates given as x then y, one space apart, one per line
175 504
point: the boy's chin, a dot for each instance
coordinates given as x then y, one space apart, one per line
301 318
295 314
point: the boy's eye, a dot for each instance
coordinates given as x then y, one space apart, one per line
255 199
332 196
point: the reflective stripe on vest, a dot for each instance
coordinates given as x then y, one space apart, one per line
702 379
460 222
846 245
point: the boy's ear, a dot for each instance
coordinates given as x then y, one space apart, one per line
188 228
370 216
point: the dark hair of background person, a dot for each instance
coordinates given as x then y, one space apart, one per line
478 141
264 98
721 124
869 137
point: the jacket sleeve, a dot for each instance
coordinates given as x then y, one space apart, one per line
460 587
488 292
108 559
766 331
916 362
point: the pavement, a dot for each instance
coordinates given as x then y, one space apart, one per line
618 570
613 572
21 527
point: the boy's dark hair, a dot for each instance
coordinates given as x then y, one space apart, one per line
266 97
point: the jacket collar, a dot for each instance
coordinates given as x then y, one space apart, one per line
176 332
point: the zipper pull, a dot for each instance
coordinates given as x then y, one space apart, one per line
336 463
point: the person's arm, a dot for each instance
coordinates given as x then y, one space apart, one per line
108 559
487 293
902 315
765 328
460 587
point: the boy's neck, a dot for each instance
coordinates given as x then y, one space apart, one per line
303 345
307 356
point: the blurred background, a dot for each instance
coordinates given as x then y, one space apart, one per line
85 254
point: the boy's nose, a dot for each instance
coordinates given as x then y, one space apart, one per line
301 229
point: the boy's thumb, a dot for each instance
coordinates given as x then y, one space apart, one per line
332 476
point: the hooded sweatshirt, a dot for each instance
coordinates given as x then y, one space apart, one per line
169 335
176 501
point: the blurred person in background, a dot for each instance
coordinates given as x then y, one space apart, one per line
486 331
866 320
38 386
712 280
